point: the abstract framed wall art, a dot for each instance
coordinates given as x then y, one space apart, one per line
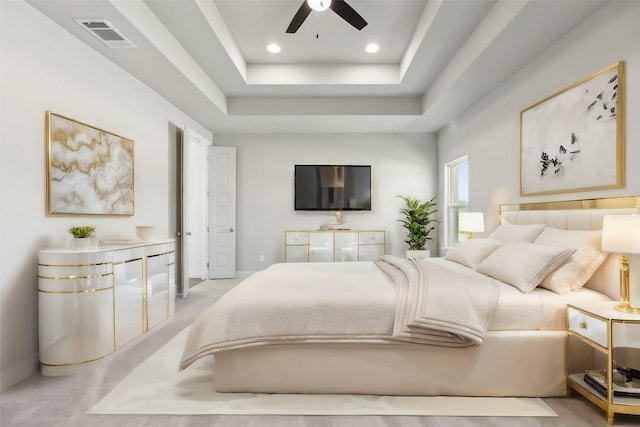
89 170
574 139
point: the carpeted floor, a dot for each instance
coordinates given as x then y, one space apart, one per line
63 401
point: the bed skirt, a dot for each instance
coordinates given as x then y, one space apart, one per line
508 363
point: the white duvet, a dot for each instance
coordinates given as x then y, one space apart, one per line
400 300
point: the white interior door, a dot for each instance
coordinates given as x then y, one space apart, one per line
222 251
198 209
192 200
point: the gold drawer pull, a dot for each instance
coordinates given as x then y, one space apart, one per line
583 325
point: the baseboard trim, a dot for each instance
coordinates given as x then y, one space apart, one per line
18 372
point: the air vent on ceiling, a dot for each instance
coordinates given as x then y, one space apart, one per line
105 32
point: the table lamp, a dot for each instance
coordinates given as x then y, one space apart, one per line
621 234
470 222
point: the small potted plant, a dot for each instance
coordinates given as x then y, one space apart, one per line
81 236
419 224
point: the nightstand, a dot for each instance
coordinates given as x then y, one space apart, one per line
601 340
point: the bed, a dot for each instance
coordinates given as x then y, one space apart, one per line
346 341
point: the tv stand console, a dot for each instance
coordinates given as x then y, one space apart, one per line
334 245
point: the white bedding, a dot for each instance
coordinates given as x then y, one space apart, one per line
398 300
539 310
358 302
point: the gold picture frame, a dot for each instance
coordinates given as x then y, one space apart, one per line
89 170
574 139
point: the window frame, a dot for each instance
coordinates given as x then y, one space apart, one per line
453 206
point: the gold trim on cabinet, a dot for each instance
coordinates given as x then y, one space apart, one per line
75 277
127 261
53 365
145 300
163 253
75 265
85 291
113 310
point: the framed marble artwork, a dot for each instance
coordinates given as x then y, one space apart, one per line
574 139
89 170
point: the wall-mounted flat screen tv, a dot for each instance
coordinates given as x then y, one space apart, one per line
332 188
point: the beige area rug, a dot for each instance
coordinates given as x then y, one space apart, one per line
157 387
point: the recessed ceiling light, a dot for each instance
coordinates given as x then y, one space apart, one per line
372 48
273 48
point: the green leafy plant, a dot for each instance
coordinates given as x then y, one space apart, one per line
82 232
418 221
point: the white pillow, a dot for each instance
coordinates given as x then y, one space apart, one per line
575 272
570 238
517 232
523 265
473 251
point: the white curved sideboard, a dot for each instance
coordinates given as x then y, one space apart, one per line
92 302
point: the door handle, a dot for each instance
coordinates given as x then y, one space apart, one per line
231 230
188 233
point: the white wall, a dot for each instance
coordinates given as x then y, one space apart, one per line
400 164
489 132
45 68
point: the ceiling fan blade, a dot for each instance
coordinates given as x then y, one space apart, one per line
347 13
299 17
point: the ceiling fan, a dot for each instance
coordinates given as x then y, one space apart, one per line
340 7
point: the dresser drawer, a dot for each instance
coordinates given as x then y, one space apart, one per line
592 328
297 237
371 237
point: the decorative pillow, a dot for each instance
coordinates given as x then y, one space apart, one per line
523 265
517 233
473 251
575 272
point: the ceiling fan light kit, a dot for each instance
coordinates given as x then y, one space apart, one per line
340 7
319 5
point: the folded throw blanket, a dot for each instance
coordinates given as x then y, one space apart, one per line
390 301
435 308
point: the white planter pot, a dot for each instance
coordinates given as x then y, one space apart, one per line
424 253
81 244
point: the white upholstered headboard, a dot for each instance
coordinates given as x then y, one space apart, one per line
578 215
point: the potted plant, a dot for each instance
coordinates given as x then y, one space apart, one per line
81 236
419 224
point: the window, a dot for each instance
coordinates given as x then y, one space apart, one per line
456 192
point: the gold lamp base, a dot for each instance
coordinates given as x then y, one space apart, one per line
626 308
624 305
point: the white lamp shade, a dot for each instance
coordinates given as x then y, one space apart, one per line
471 221
621 234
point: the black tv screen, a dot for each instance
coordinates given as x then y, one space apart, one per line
332 188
